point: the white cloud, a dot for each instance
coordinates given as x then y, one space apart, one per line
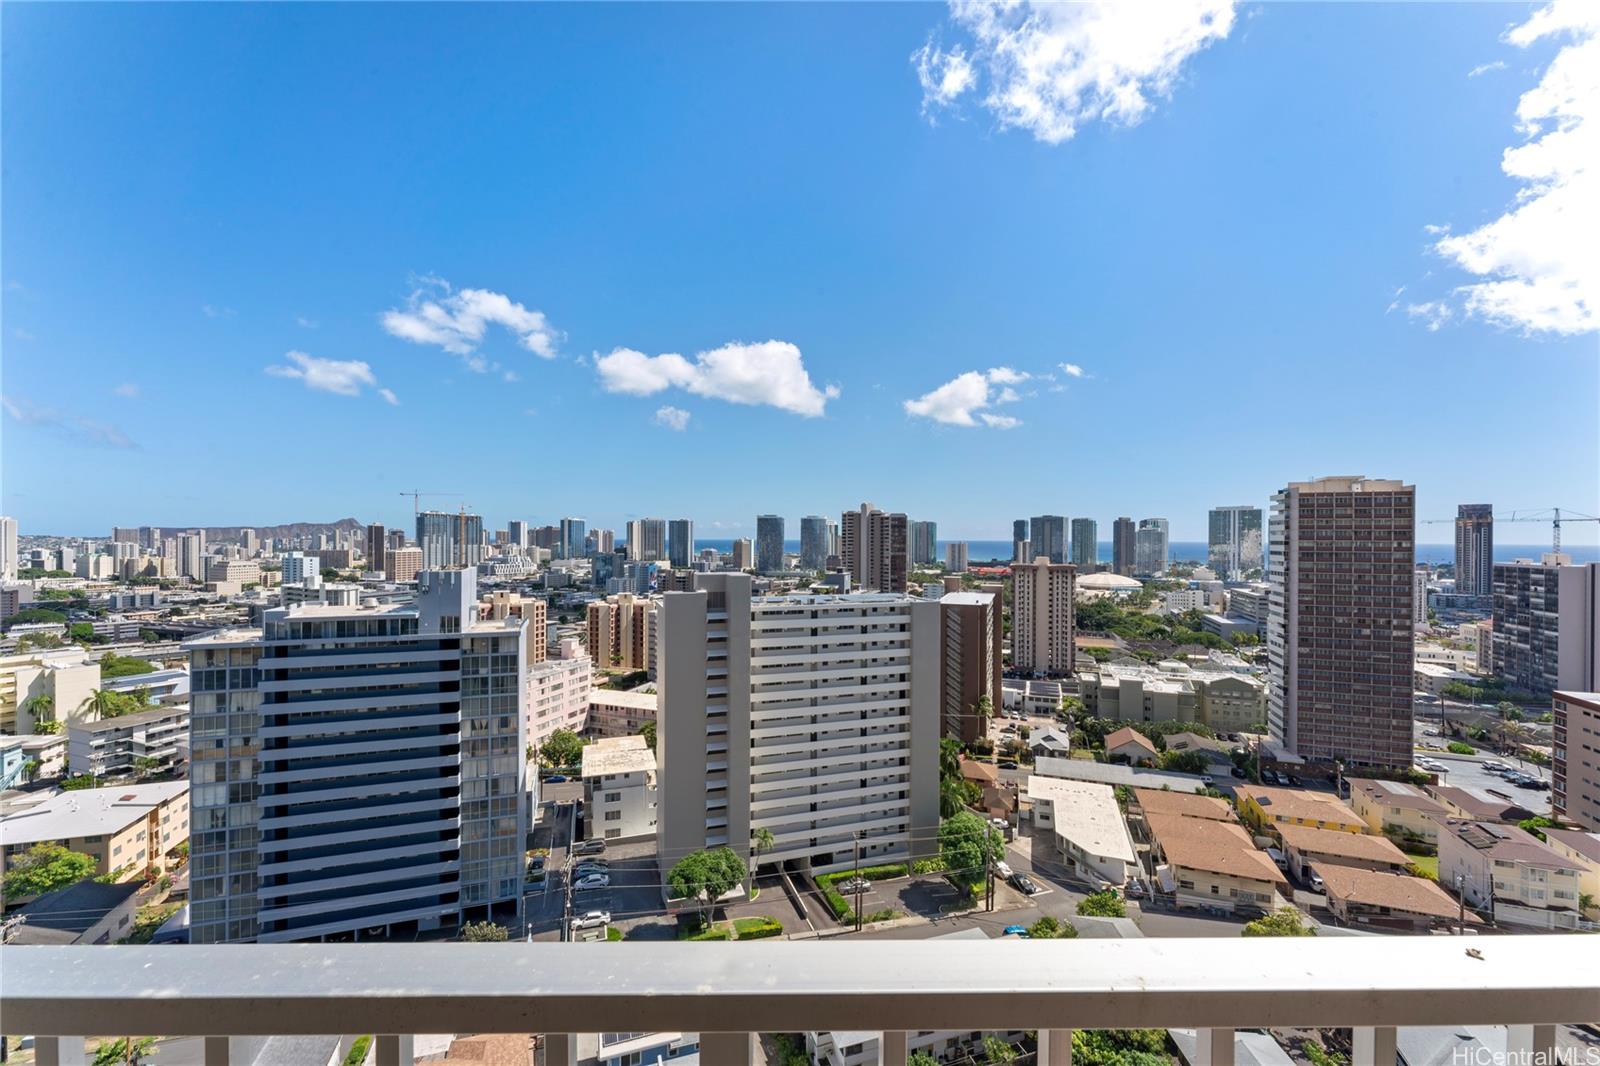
964 400
127 390
74 427
217 312
1072 370
675 418
1433 313
389 397
342 377
770 373
457 321
1051 68
1484 68
1539 262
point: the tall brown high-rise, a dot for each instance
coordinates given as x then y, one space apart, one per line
1475 549
872 546
1339 628
377 548
1124 536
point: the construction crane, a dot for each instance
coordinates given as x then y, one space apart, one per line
416 496
1554 515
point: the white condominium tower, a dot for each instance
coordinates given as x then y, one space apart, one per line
357 769
1043 617
813 717
1233 541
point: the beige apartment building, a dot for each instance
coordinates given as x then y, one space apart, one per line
617 712
1043 617
618 632
1396 808
1206 862
1171 691
66 676
500 605
404 564
124 828
1575 773
872 547
1508 871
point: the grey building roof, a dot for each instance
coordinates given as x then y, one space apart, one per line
62 917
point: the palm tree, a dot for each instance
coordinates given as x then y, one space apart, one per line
42 707
760 840
99 702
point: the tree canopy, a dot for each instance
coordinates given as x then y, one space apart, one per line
705 876
967 844
561 748
483 933
113 665
1106 904
1284 922
45 868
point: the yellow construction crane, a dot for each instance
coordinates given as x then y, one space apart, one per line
1554 515
416 496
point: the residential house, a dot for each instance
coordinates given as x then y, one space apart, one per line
619 783
1507 871
1130 746
1305 846
1480 804
1362 896
1397 809
1265 807
1187 804
85 913
1087 826
1582 849
1206 862
1050 742
123 828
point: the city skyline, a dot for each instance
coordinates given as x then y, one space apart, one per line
136 331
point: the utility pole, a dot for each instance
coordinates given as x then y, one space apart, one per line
1461 906
857 881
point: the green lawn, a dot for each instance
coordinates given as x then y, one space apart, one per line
1428 864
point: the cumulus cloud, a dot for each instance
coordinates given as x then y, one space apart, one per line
1539 262
342 377
770 373
1433 313
674 418
1484 68
1072 370
127 390
457 321
968 399
1051 68
74 427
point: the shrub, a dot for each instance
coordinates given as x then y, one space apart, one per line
757 928
358 1051
1459 748
888 914
928 866
1106 904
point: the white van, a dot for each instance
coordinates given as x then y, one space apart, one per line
1279 859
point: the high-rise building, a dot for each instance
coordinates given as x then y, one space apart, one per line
1043 617
303 825
872 547
150 538
1547 624
377 548
404 563
1339 628
680 542
970 663
1475 549
1049 537
8 548
955 556
1124 546
746 743
769 543
813 542
517 530
1419 594
616 628
1150 547
1233 543
124 534
249 542
1021 544
449 540
743 555
647 540
1085 544
922 540
570 541
1575 772
192 555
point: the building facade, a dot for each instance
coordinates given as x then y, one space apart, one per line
680 542
872 547
1150 547
970 662
1475 549
922 543
813 717
1124 546
956 559
1575 752
1085 544
1021 543
1043 617
813 542
1340 635
769 543
1547 625
1049 537
1234 542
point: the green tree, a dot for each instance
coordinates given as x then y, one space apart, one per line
984 709
1284 922
44 868
146 765
48 728
968 844
952 785
1106 904
113 666
483 933
648 731
705 876
100 703
30 770
124 1051
1184 762
43 709
997 1052
561 748
1048 928
760 840
1120 1047
917 1058
31 615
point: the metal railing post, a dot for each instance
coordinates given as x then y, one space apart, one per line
395 1049
1374 1045
726 1049
560 1049
1216 1047
217 1051
1055 1047
892 1048
58 1050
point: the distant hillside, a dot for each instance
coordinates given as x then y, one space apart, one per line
288 529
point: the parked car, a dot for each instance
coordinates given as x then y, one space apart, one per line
1237 771
1269 777
1291 780
1024 884
591 920
556 779
855 884
586 870
1003 870
1008 764
1134 890
536 862
1017 931
1494 766
590 847
1316 883
592 881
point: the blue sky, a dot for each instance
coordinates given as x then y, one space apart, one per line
502 217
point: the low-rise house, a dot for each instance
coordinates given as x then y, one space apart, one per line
112 747
85 913
1508 872
1397 809
1161 801
1207 862
123 828
1216 752
1265 808
1305 847
619 784
1480 804
983 774
1050 742
619 712
1583 850
1087 825
1130 746
558 696
1361 896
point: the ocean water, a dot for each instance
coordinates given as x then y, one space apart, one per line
1195 551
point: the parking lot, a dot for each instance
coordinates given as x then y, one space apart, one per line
1464 771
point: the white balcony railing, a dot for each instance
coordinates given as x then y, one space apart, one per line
1369 984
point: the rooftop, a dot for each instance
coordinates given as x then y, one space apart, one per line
968 599
1505 843
1481 803
1585 844
618 697
1086 813
1160 801
1305 838
157 713
62 815
1397 794
62 917
1380 888
1298 803
1213 846
1129 735
618 755
1115 774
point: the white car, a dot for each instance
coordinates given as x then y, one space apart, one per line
591 920
592 881
1003 870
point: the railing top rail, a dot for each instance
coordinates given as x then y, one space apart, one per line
894 985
